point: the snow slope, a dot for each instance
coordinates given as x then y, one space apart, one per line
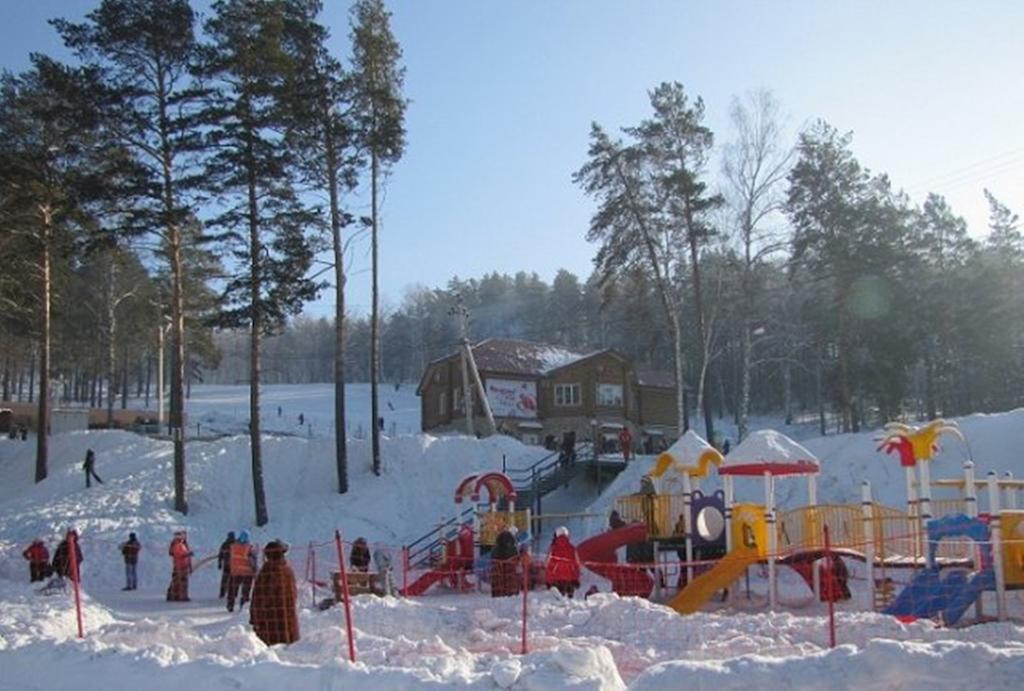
136 640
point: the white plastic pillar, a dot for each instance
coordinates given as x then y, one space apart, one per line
812 490
769 517
687 515
868 512
995 525
925 492
1011 493
970 491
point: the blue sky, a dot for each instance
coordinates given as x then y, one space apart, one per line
503 94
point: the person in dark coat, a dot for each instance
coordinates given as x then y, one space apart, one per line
38 560
272 612
504 558
359 557
243 567
89 466
61 560
563 567
181 568
615 521
224 563
130 551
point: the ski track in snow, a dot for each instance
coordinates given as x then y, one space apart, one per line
137 640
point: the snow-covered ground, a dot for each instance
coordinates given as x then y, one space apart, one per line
137 640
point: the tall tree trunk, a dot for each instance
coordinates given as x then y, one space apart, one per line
124 378
822 428
682 410
787 390
703 404
255 279
745 351
340 441
149 374
43 421
374 316
111 356
32 378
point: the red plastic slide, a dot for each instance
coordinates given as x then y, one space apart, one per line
598 554
420 585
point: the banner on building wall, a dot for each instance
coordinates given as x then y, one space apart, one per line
511 398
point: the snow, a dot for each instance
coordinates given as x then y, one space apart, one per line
768 448
688 449
442 640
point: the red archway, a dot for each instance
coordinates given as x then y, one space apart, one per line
498 485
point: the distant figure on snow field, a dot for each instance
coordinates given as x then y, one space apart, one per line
90 468
302 419
38 560
224 563
272 613
243 567
130 550
181 568
62 560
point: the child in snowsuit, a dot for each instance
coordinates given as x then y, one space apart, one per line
243 567
504 557
38 560
563 569
90 468
224 563
130 550
272 613
181 568
61 558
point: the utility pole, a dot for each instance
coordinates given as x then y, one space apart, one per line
460 311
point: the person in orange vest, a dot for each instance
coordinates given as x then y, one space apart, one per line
38 560
626 442
181 567
243 567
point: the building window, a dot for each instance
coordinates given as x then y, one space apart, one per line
442 403
567 394
458 405
609 395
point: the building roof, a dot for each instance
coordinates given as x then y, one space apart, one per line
655 378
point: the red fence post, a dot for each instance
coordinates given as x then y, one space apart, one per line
831 591
73 557
345 597
526 591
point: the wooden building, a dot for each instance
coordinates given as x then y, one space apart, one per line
538 390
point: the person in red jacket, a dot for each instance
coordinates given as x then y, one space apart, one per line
181 568
626 443
38 560
563 569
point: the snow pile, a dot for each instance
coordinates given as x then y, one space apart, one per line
688 449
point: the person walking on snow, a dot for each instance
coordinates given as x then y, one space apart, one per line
626 443
224 563
61 557
563 568
38 559
90 468
130 550
243 566
272 612
181 568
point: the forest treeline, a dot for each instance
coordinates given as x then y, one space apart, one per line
181 190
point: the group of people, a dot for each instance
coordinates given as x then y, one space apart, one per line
512 565
41 567
19 432
271 589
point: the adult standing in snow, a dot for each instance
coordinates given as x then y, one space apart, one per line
243 567
626 443
38 559
272 613
504 556
89 466
181 568
224 563
359 557
61 557
130 551
563 568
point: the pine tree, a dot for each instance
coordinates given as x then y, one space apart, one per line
146 51
253 176
380 123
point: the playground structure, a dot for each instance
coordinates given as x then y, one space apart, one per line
881 537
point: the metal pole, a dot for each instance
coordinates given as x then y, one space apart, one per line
688 525
831 599
868 509
73 557
769 515
995 524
